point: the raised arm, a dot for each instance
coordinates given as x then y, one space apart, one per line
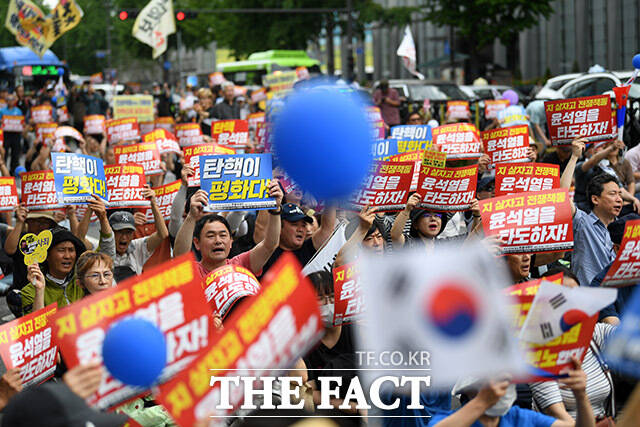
595 159
184 238
261 252
13 238
107 244
397 229
329 220
577 147
348 251
161 232
177 207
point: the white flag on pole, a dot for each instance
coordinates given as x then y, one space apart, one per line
154 24
407 51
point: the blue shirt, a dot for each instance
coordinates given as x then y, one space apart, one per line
592 246
616 308
6 111
433 402
516 417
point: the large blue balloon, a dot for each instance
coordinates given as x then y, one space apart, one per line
323 139
636 61
135 352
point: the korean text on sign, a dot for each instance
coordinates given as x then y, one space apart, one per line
164 198
254 118
526 177
169 296
42 114
530 222
143 153
122 130
386 187
94 124
412 137
447 189
531 287
232 133
27 343
45 132
237 181
166 123
458 109
8 193
189 134
192 156
13 123
625 270
493 106
458 140
125 184
166 141
280 324
436 159
588 117
77 177
348 300
138 106
225 285
508 144
375 119
39 190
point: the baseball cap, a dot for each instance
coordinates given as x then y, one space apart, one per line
293 213
41 215
122 220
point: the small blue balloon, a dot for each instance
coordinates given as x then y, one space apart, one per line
60 71
19 170
636 61
322 138
135 352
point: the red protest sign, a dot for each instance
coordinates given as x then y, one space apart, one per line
493 106
189 134
125 184
526 177
625 270
531 287
164 198
254 118
233 133
224 286
259 95
216 78
348 300
167 143
1 137
166 123
45 132
267 333
13 123
508 145
169 295
143 153
447 189
94 124
458 109
39 190
588 117
386 187
261 135
375 118
530 222
42 114
458 140
8 193
27 343
122 130
192 158
63 114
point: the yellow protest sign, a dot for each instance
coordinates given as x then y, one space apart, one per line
34 248
139 106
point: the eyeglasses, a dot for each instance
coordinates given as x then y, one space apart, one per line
326 299
96 276
430 214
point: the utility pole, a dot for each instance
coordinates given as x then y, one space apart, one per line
349 76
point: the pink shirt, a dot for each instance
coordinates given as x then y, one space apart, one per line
390 114
243 260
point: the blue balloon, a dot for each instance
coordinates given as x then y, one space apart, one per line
636 61
19 170
135 352
322 138
60 71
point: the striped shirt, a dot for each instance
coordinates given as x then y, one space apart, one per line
547 393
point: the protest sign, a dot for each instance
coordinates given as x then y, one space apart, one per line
224 286
27 22
588 117
125 184
39 190
280 324
45 132
8 193
375 118
348 300
27 343
166 123
493 106
625 270
458 140
531 287
13 123
68 131
122 130
530 222
411 138
258 95
216 78
42 114
506 145
138 106
254 118
386 187
164 198
1 138
527 177
192 158
143 153
237 181
447 189
77 177
458 110
94 124
34 248
326 255
169 295
63 114
189 134
146 127
261 135
513 115
232 133
280 82
167 143
434 159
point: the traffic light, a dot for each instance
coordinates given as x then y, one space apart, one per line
181 15
125 14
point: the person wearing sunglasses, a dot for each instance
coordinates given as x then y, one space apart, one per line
426 225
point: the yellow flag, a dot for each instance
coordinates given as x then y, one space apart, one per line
27 22
65 16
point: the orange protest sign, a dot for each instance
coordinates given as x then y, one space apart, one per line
493 106
167 142
122 130
458 140
45 132
507 145
8 193
625 270
224 286
42 114
531 287
192 158
348 300
189 134
13 123
166 123
526 177
458 110
94 124
143 153
447 189
232 133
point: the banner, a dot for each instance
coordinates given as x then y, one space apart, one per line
434 159
68 131
458 140
64 17
12 123
225 285
138 106
279 82
42 114
45 132
166 142
8 193
94 124
26 21
506 145
192 158
170 296
386 187
524 178
530 222
375 118
232 133
493 106
39 190
458 110
164 198
625 270
588 117
326 255
154 24
349 303
166 123
407 51
263 337
63 114
27 343
77 177
189 134
447 189
237 181
412 137
145 154
122 130
125 184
